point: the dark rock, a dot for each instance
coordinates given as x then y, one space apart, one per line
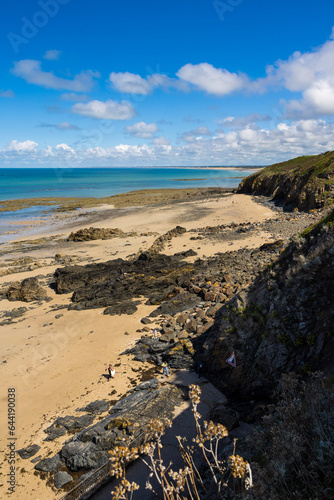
272 246
96 407
125 307
146 321
181 302
69 423
29 451
55 433
126 421
224 415
61 478
49 464
186 253
28 290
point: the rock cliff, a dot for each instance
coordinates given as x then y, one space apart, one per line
283 322
305 183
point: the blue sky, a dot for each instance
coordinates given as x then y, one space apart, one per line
191 82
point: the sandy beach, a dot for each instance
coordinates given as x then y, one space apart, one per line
55 358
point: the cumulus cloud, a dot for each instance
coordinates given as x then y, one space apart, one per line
60 126
22 147
312 74
130 83
135 84
7 93
65 148
216 81
108 110
52 55
249 145
142 130
30 70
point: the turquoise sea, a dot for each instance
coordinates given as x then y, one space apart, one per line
20 183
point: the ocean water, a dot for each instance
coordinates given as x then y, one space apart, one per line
23 183
20 183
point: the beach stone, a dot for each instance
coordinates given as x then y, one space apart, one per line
29 451
28 290
49 464
191 326
61 478
146 321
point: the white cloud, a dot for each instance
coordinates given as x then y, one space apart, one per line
212 80
312 74
130 83
108 110
65 148
7 93
52 55
161 141
134 84
30 70
142 130
22 147
249 145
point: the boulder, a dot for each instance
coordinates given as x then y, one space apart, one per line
61 478
28 290
29 451
49 464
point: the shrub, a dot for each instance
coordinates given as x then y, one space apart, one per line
231 478
294 446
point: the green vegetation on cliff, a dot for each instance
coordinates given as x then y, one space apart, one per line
306 182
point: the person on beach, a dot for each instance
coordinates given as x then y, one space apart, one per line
165 370
111 371
155 333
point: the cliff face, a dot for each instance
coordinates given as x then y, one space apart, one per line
306 182
284 322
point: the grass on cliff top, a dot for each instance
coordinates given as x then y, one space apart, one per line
315 166
314 228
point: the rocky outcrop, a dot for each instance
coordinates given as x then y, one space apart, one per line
166 281
96 233
28 290
125 424
283 322
305 183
